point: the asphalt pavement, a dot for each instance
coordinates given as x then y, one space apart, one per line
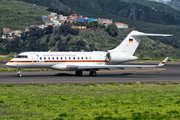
170 73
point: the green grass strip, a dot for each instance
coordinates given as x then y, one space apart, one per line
24 70
90 101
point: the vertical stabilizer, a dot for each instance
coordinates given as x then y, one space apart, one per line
131 42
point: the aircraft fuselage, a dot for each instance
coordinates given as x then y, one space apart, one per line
49 59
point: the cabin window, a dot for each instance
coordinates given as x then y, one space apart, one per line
53 58
90 58
40 58
74 58
61 58
69 58
57 58
65 58
21 56
49 58
78 58
86 58
82 58
44 58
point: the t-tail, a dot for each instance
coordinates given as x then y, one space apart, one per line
129 45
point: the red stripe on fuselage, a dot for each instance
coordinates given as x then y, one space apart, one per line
54 61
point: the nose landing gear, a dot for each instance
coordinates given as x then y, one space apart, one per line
19 73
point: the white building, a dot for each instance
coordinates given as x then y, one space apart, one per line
53 14
3 36
56 22
121 25
61 17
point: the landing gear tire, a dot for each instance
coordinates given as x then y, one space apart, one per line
79 73
19 74
93 73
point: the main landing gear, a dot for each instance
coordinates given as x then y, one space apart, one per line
79 73
19 73
91 73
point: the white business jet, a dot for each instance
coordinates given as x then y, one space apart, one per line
85 61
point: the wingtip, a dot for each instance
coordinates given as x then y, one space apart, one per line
162 63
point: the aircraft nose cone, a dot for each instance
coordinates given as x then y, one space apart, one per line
10 64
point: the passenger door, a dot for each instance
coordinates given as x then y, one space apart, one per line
35 59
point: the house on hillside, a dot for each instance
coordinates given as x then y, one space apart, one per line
3 37
62 18
85 19
6 30
78 27
17 33
91 20
53 14
104 21
81 20
118 24
45 18
56 22
73 16
51 18
121 25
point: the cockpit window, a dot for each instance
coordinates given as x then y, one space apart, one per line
21 56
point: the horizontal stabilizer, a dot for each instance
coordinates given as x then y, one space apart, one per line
136 33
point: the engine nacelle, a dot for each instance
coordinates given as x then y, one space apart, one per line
58 67
118 57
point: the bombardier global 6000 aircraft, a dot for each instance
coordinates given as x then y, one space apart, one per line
85 61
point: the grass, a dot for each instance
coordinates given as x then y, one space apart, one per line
24 70
90 101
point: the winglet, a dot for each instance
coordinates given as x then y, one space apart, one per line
162 63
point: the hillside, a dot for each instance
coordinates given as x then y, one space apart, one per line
52 4
137 16
146 11
18 15
158 13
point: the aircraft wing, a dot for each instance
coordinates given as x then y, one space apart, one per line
123 66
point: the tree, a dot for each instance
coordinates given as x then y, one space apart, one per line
112 30
48 39
66 29
49 29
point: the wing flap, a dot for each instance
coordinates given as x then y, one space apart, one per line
116 66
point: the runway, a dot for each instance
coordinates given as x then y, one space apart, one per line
169 73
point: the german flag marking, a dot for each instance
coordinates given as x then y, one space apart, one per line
131 40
